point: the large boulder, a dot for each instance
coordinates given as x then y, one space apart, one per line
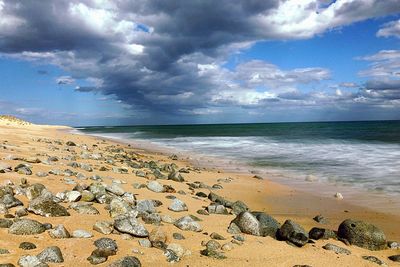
362 234
268 225
247 223
293 233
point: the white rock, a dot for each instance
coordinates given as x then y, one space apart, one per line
155 187
73 196
338 195
81 234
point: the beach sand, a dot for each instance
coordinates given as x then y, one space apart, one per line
280 201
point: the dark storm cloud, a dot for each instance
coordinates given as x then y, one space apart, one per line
167 56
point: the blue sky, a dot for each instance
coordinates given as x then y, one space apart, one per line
279 62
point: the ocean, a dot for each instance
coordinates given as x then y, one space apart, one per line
364 156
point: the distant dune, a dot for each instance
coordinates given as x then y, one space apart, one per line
12 121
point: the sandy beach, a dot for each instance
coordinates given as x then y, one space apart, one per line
34 145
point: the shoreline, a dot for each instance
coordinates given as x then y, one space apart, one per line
354 195
280 201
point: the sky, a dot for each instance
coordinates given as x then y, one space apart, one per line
120 62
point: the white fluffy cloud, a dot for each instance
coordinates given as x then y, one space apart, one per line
390 29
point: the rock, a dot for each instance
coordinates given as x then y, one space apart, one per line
86 167
7 265
227 246
176 176
217 209
47 207
130 225
218 199
107 244
362 234
81 234
5 223
4 251
21 212
374 260
395 258
155 187
59 232
23 169
51 254
391 244
320 219
73 196
294 233
99 256
42 174
120 170
247 223
144 243
213 245
87 196
239 207
85 208
27 246
171 256
320 233
128 261
151 218
187 223
201 194
26 227
234 229
217 236
145 205
70 143
10 201
167 219
119 207
336 249
178 205
115 189
268 225
178 236
30 261
103 227
34 191
239 237
4 167
338 196
213 254
157 237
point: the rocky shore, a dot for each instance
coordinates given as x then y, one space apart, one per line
71 200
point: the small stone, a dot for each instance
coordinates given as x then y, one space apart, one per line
103 227
227 246
171 256
5 223
293 233
213 245
4 251
73 196
178 205
336 249
217 236
320 233
213 254
128 261
26 227
59 232
395 258
374 260
81 234
201 194
30 261
51 254
320 219
177 249
130 225
178 236
155 187
338 196
157 237
106 243
144 243
187 223
27 246
70 143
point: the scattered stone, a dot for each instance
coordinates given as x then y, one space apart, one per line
178 236
187 223
59 232
130 225
176 176
294 233
213 245
374 260
26 227
27 246
103 227
119 207
128 261
395 258
336 249
5 223
155 187
81 234
23 169
145 205
239 207
217 209
106 244
51 254
320 233
158 237
227 246
70 143
217 236
391 244
115 189
362 234
30 261
85 208
42 174
4 167
213 254
320 219
4 251
73 196
338 196
10 201
178 205
144 243
46 207
171 256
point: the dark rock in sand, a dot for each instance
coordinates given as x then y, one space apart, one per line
27 246
23 169
4 251
51 254
106 243
362 234
176 176
218 199
26 227
336 249
5 223
217 236
320 219
321 233
268 225
239 207
293 233
374 260
213 254
10 201
70 143
395 258
47 207
128 261
178 236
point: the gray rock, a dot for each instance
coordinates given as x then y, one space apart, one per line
30 261
374 260
247 223
320 219
213 254
144 243
362 234
130 225
268 225
151 218
213 245
395 258
85 208
119 207
73 196
218 199
239 207
27 246
155 187
26 227
106 243
187 223
46 207
34 191
103 227
178 205
336 249
115 189
120 170
217 236
23 169
171 256
4 251
178 236
391 244
145 205
217 209
81 234
42 174
87 196
10 201
4 167
294 233
51 254
176 176
5 223
99 256
128 261
177 249
320 233
59 232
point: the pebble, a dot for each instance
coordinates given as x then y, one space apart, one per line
81 234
